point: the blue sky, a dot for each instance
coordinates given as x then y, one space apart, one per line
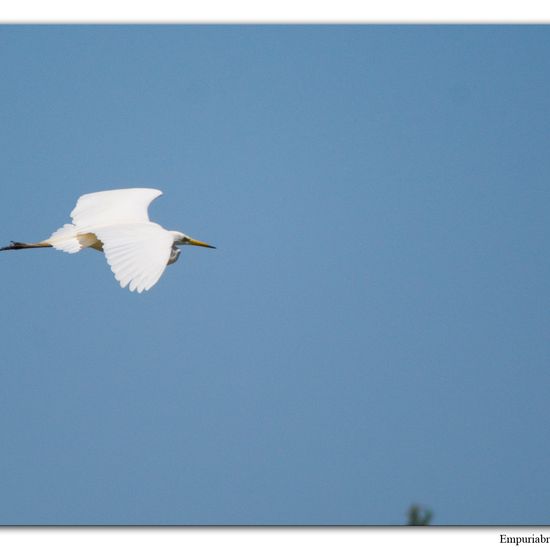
372 330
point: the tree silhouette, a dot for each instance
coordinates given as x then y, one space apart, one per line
418 515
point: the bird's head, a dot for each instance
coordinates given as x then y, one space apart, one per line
182 238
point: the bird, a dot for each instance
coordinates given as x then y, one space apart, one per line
116 222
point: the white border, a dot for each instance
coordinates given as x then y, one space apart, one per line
266 538
281 11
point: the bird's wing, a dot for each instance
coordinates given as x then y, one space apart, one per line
137 252
116 206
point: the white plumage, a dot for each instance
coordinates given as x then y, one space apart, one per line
138 253
117 223
116 206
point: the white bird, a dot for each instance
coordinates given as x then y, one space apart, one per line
116 222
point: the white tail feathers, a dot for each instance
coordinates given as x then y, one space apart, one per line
67 239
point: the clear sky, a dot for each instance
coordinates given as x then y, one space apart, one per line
373 328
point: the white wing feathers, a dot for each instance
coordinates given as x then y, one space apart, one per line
117 206
137 252
65 239
136 249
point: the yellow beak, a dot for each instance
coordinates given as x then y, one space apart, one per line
199 243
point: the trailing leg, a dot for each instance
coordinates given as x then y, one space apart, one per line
18 246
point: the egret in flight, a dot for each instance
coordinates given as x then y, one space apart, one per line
116 223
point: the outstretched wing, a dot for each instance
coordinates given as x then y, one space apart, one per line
137 252
116 206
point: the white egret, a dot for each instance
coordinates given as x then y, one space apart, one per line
116 222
